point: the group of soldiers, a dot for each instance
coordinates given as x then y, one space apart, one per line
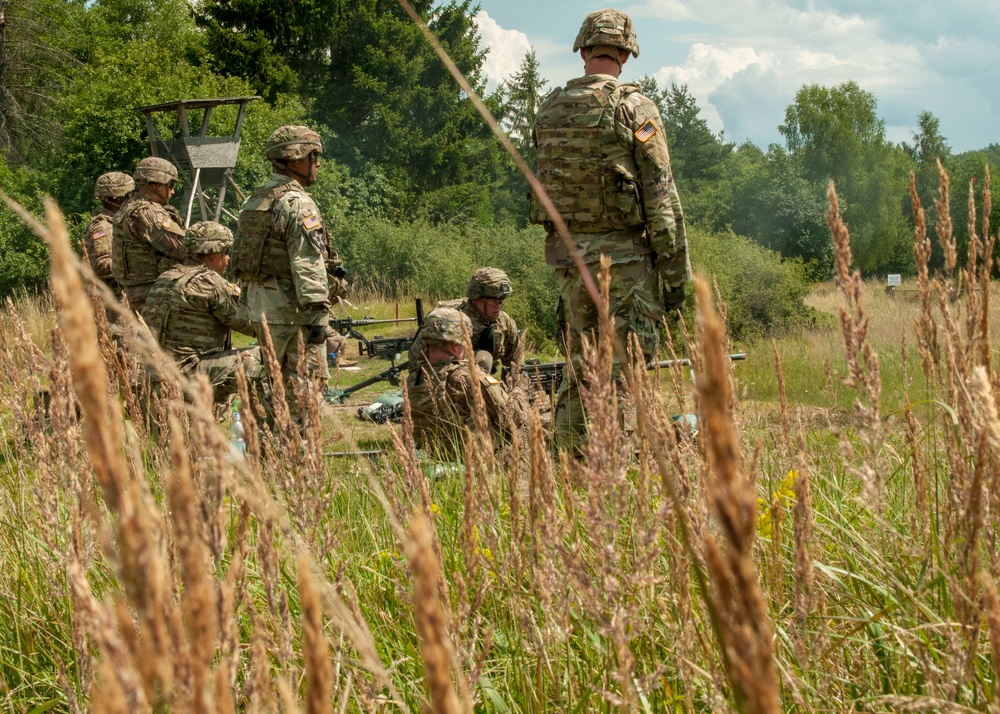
604 163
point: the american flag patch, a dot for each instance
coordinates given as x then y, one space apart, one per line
98 234
165 222
646 132
310 222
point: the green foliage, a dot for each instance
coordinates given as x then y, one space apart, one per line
419 258
836 136
763 293
36 61
372 76
967 172
770 200
521 95
697 156
23 256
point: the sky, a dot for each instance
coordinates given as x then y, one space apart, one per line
744 60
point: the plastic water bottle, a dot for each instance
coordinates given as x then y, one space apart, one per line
237 436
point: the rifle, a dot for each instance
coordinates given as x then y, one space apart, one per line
547 375
384 347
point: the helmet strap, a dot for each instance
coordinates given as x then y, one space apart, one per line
297 174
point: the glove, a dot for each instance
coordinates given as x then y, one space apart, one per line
673 299
318 334
338 288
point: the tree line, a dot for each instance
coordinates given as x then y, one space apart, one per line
403 144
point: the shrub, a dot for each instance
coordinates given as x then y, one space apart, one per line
763 293
436 261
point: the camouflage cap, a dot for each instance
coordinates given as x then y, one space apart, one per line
290 143
608 28
113 184
489 283
444 324
153 169
207 237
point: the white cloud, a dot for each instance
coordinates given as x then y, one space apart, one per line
506 49
744 60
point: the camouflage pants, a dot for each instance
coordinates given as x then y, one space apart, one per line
221 368
285 339
635 310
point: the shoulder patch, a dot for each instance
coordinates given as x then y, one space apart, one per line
646 132
491 380
310 222
99 233
165 221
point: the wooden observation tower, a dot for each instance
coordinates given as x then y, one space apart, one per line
206 162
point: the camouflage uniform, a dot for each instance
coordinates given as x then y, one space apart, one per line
148 236
282 254
603 160
192 308
110 188
442 393
497 342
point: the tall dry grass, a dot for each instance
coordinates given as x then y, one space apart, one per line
788 563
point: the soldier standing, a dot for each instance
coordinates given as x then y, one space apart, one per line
191 309
494 334
111 189
282 253
148 232
603 160
442 390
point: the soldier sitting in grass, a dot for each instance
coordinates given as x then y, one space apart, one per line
192 308
442 391
494 334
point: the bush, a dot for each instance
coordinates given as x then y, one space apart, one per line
23 255
436 262
763 293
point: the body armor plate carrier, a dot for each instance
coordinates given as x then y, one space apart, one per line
257 251
586 162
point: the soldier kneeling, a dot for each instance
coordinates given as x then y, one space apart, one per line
442 389
192 309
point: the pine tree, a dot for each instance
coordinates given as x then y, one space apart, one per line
522 93
374 81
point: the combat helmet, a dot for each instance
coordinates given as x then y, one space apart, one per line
291 143
113 184
207 237
489 283
444 324
153 169
607 28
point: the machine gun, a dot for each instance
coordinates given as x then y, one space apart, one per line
547 375
390 348
383 347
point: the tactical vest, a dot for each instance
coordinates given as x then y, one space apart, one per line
587 166
134 261
180 327
258 252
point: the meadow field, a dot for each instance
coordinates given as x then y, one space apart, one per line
825 542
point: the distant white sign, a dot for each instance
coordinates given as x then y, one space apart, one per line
894 280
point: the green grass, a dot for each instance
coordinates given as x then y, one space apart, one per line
612 587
